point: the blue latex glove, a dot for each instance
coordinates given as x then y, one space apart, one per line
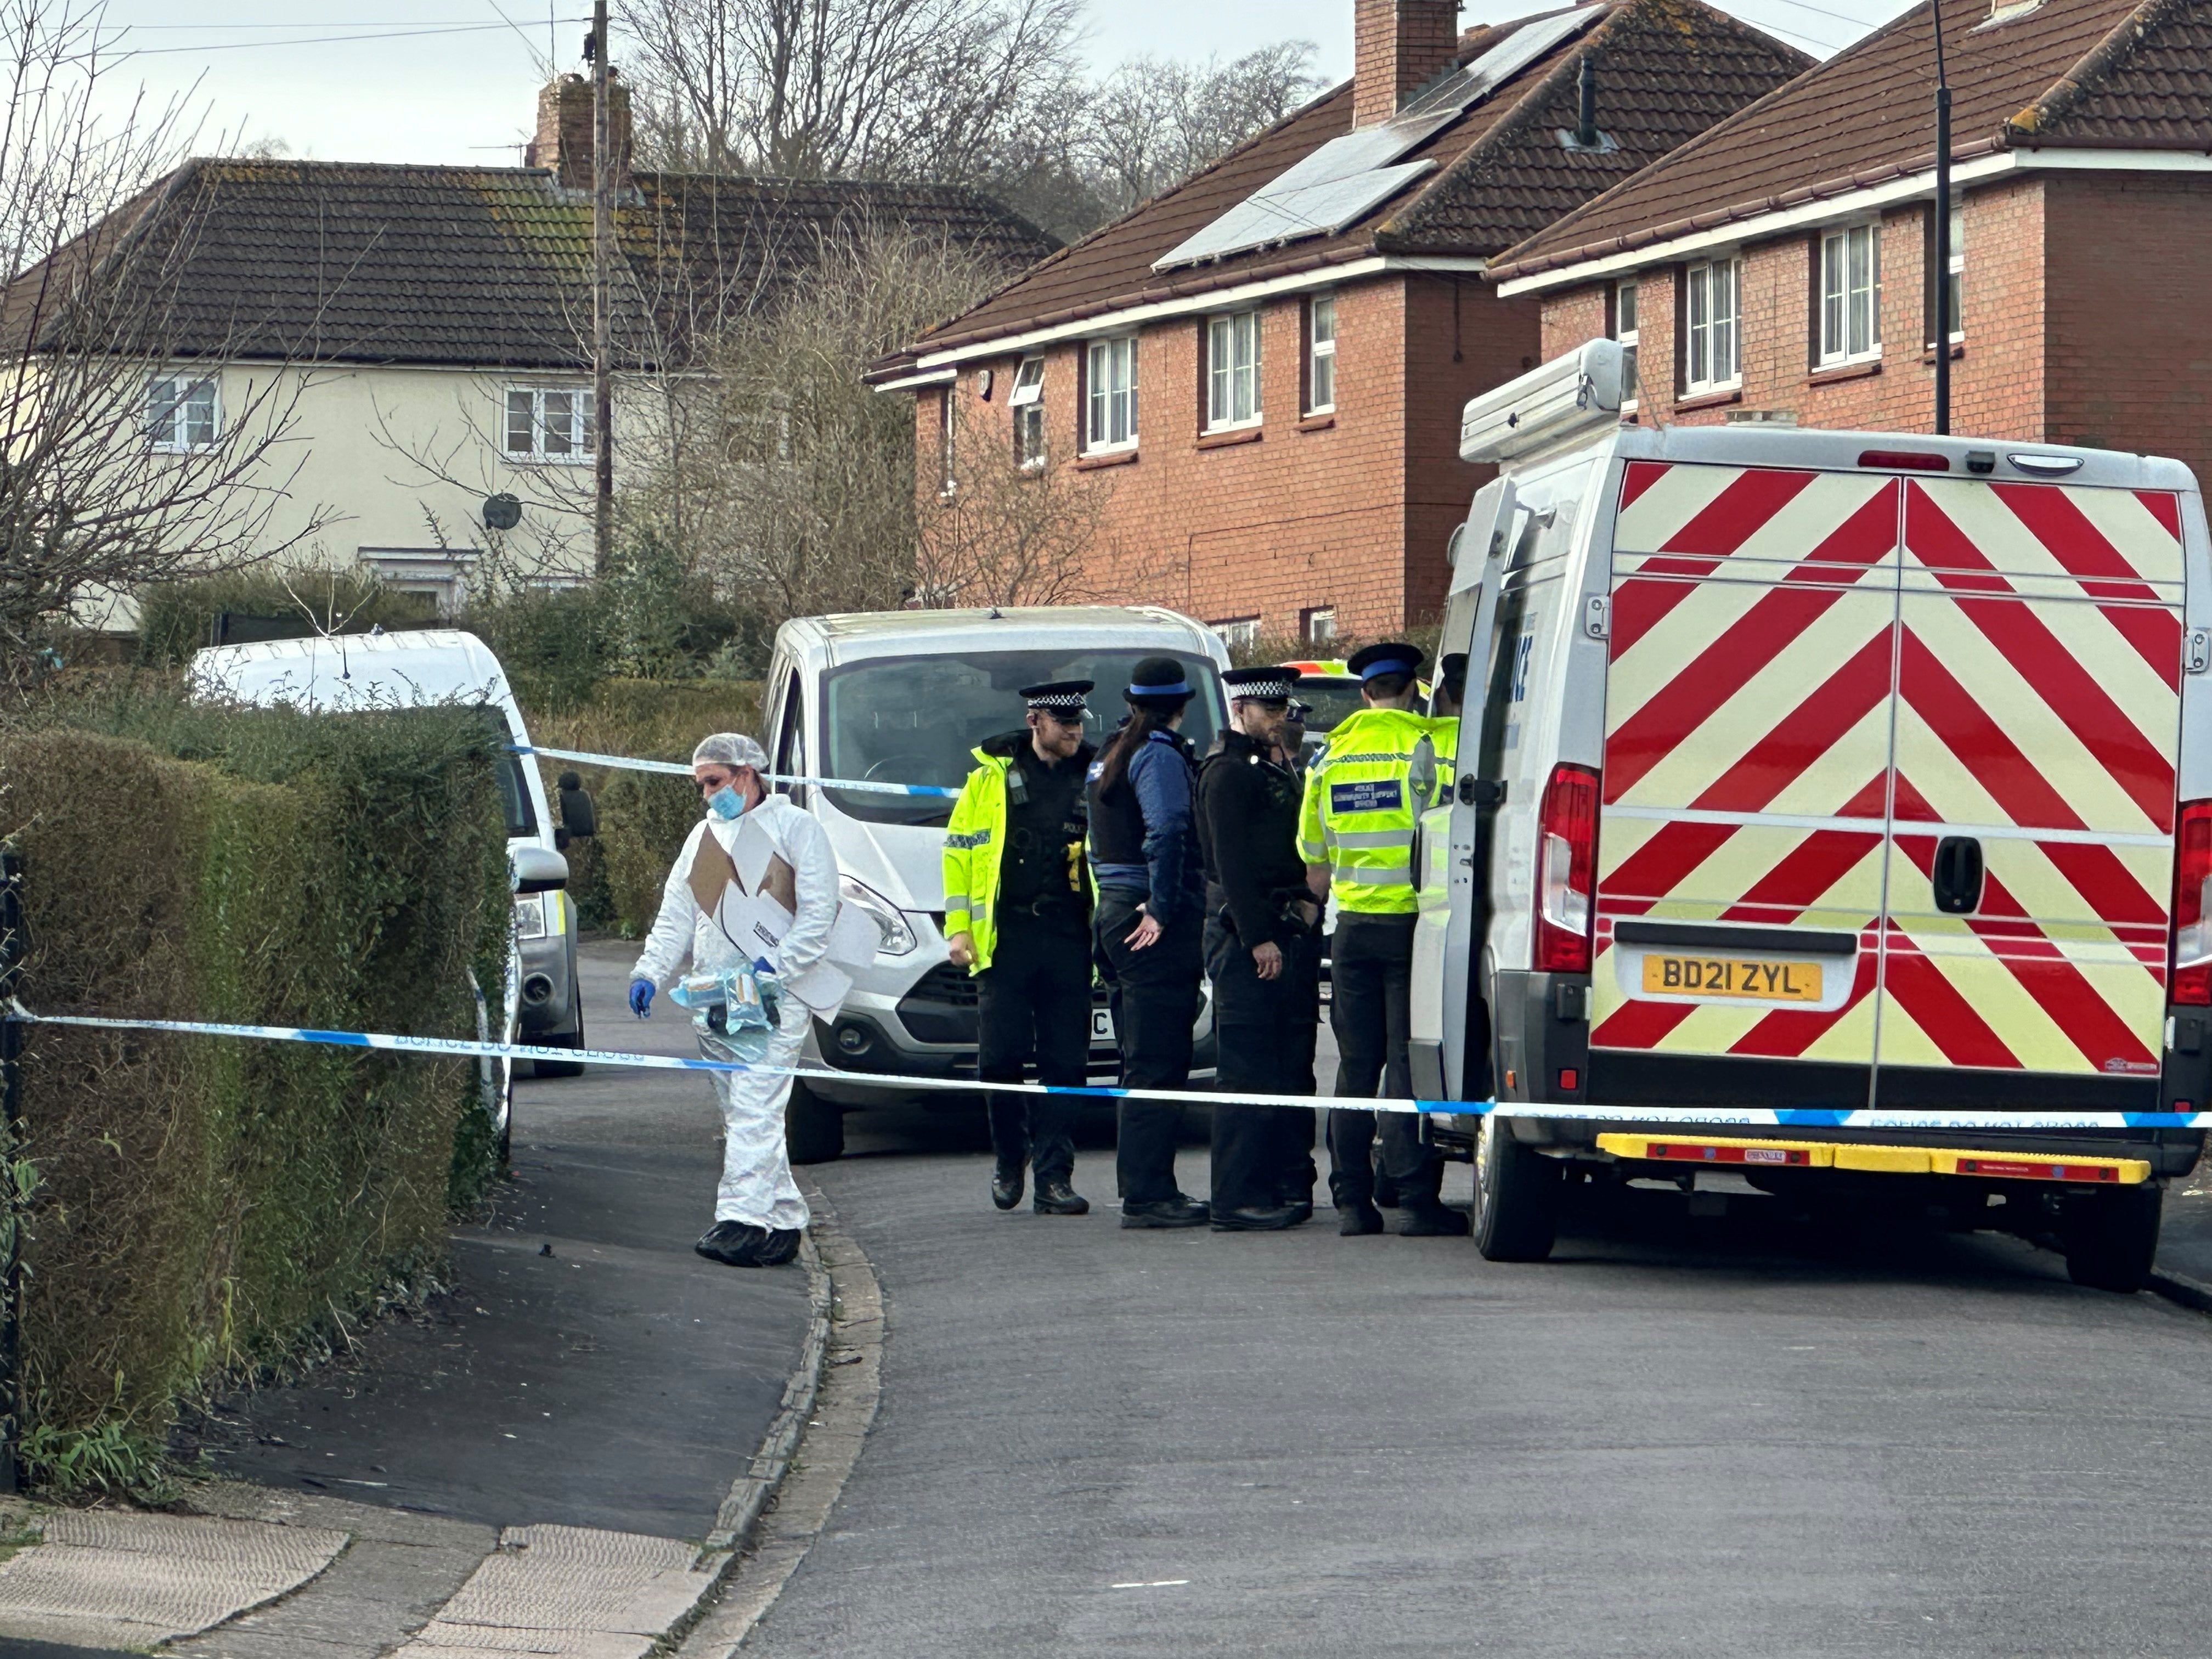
640 997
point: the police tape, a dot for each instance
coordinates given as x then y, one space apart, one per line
673 769
1701 1116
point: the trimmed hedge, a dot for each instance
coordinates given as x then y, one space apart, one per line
206 1206
616 877
177 618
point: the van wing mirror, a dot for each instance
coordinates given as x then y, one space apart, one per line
537 870
579 816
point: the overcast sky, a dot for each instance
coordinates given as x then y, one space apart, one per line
455 96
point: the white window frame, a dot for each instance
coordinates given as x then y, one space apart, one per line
1955 275
1850 294
1110 394
1026 405
1318 624
1232 370
1712 326
1627 329
170 423
1320 354
1237 632
580 436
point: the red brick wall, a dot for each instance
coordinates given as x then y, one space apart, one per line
2129 363
1341 511
1996 381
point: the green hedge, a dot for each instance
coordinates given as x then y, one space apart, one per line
177 618
207 1206
616 878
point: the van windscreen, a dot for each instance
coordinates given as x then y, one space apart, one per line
915 719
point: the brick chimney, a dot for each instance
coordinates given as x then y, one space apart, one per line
564 132
1397 45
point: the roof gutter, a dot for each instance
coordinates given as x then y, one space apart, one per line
1183 299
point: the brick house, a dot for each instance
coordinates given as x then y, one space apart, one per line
1304 319
1778 268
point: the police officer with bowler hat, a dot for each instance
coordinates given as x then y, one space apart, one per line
1356 834
1018 917
1263 953
1144 855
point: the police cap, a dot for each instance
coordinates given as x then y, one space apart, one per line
1391 657
1260 684
1057 697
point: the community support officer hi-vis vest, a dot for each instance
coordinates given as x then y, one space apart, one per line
975 845
1359 810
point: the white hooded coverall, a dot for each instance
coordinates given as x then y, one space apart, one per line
756 1187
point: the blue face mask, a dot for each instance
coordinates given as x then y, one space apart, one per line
727 803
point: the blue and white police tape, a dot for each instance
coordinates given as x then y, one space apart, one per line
673 768
1702 1116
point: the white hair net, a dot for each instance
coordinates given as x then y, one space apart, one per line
730 749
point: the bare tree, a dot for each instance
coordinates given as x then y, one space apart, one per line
1154 122
1010 534
134 449
815 88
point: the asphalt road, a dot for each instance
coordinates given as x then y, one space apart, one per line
1709 1436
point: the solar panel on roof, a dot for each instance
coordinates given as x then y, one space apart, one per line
1466 88
1320 209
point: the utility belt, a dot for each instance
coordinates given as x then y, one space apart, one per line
1282 904
1072 907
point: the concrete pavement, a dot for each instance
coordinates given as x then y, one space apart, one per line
1710 1437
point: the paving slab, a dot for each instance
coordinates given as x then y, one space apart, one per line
577 1592
125 1579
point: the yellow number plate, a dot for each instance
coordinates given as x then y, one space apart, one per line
1731 976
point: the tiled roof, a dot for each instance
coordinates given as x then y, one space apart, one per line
486 266
1666 70
2066 73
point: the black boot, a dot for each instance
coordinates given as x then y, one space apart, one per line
1055 1197
1386 1187
734 1243
1270 1220
1358 1219
1180 1211
1006 1187
1430 1218
780 1246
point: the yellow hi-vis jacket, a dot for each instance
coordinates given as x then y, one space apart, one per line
1359 810
975 843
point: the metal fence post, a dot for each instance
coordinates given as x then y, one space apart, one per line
11 1229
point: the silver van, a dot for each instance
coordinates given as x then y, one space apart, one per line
904 697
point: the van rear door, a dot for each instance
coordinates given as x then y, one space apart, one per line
2039 675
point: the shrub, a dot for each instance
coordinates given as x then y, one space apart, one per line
206 1205
177 618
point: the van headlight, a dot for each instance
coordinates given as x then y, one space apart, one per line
898 936
535 916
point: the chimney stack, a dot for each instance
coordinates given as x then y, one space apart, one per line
1398 45
563 142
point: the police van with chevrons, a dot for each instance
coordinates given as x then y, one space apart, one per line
1832 813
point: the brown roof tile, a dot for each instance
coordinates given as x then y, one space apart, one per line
1667 70
2070 72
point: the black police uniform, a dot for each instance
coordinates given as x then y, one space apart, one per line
1264 1028
1035 997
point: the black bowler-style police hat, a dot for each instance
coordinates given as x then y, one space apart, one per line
1260 684
1391 657
1159 679
1058 696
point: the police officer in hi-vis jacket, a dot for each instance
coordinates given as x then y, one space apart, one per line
1356 834
1018 917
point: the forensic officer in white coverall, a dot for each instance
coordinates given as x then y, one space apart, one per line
753 867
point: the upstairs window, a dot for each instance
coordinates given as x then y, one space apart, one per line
1233 363
1953 288
1851 296
1109 401
1027 403
549 424
1320 354
180 413
1624 331
948 476
1710 299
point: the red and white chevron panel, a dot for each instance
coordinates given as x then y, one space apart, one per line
1814 676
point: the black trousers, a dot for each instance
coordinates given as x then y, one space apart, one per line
1154 995
1370 973
1034 1000
1264 1033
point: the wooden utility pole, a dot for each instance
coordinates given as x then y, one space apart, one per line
602 237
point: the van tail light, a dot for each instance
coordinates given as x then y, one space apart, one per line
2192 980
1566 871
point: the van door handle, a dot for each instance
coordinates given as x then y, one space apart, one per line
1958 875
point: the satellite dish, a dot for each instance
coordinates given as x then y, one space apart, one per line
501 512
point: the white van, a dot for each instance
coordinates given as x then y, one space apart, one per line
417 666
904 696
1806 772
